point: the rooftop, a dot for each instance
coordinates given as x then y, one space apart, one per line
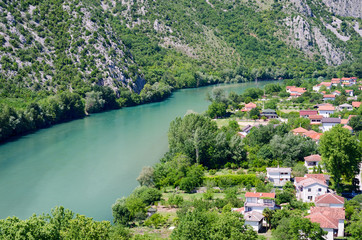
329 198
259 195
326 108
308 112
331 120
313 158
316 117
309 181
329 96
320 176
253 216
278 169
299 130
345 105
356 104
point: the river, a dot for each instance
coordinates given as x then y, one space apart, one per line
86 164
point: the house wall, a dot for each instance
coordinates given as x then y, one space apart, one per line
340 227
314 192
327 126
329 236
325 113
327 98
254 225
310 166
260 209
275 177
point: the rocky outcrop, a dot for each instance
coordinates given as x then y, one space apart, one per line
345 8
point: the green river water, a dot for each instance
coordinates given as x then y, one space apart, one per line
85 165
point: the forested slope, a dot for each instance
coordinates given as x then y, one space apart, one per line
109 54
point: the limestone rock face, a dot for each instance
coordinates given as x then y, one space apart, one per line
345 8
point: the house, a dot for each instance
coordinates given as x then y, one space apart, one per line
335 81
254 219
315 119
349 128
323 177
337 93
329 200
345 106
248 107
312 161
255 201
328 85
325 111
299 131
307 113
346 84
269 113
349 92
308 188
315 137
328 123
330 220
327 97
289 87
356 104
297 91
309 133
316 88
278 176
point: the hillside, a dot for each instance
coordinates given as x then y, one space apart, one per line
50 47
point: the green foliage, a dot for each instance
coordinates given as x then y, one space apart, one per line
146 177
193 179
298 228
156 220
233 180
341 153
299 170
354 228
356 123
61 224
175 200
211 225
216 110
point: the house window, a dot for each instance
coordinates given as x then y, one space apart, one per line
309 189
310 198
319 189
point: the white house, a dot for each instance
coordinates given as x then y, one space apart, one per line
330 220
309 188
349 92
327 97
329 200
278 176
337 93
254 219
326 110
312 161
346 106
255 201
328 123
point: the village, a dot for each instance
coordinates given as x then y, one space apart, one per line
327 208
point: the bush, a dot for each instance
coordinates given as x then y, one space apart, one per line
233 180
175 200
156 220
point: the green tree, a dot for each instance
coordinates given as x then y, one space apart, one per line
356 123
341 153
297 228
354 228
216 109
146 177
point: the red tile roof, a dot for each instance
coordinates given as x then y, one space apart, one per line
337 213
335 79
299 130
324 221
315 117
356 104
349 91
329 96
309 133
313 158
259 195
316 136
327 84
309 181
344 121
326 108
250 105
329 198
319 176
348 127
307 112
289 87
346 78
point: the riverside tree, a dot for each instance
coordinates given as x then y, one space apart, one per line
341 153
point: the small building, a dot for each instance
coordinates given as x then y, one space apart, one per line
254 219
327 97
246 130
255 201
345 106
309 188
349 93
278 176
326 110
328 123
356 104
248 107
337 93
269 113
312 161
299 131
307 113
315 119
330 220
335 81
329 200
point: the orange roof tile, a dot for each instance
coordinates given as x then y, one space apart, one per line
309 133
313 158
344 121
356 104
329 96
259 195
326 108
319 176
316 136
315 117
324 221
329 198
348 127
299 130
